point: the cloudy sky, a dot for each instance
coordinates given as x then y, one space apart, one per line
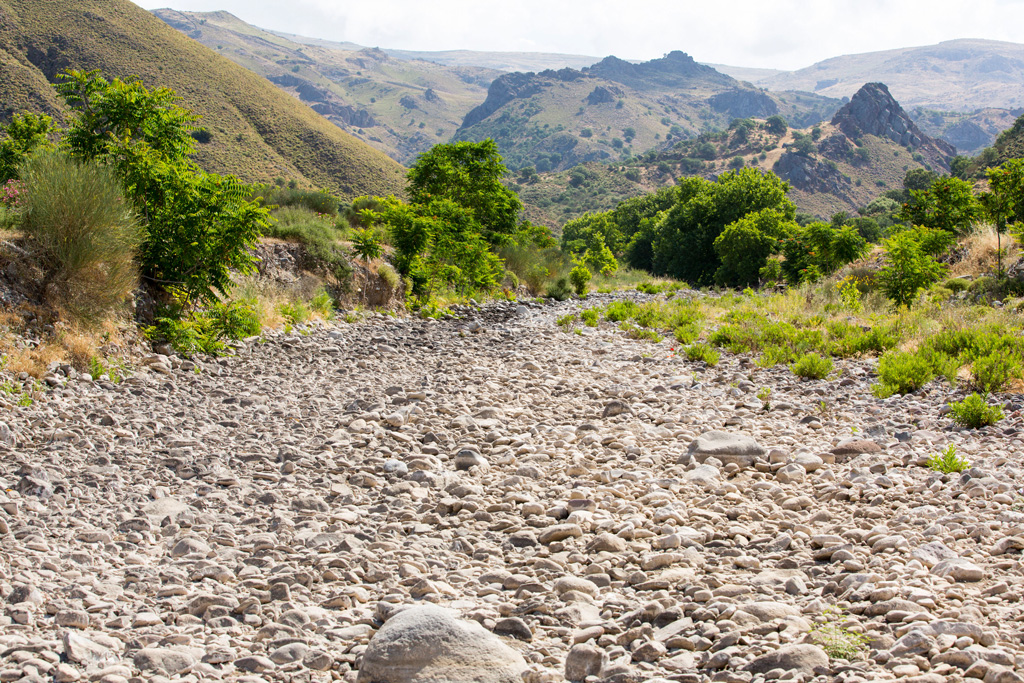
784 34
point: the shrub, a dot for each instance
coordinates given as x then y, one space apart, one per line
388 275
618 311
992 372
812 366
590 317
948 461
837 641
901 373
686 334
323 304
317 233
908 268
703 352
974 412
366 244
294 312
580 277
85 232
559 291
200 226
205 331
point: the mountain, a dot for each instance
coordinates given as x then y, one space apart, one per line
501 61
968 132
255 131
615 109
401 107
955 75
839 165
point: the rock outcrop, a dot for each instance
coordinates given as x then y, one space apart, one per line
874 111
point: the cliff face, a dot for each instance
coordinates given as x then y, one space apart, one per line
873 111
503 90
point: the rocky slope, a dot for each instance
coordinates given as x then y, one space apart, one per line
262 517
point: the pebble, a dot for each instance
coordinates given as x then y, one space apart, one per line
580 506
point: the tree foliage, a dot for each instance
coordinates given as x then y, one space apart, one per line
199 226
948 204
745 245
908 268
26 134
683 246
469 175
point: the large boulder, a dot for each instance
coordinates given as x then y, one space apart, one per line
428 644
726 447
803 658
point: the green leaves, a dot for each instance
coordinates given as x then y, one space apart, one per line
26 134
199 226
468 174
908 268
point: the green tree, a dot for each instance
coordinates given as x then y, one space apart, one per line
26 134
684 244
468 174
439 245
776 125
745 245
948 204
908 269
199 227
577 234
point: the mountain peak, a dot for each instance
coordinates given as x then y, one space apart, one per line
874 111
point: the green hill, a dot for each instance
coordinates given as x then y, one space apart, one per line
615 109
842 165
256 131
400 107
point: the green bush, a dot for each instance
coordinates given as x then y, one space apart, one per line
85 231
294 312
948 462
580 277
619 311
559 291
956 284
319 234
590 317
993 372
974 412
366 244
908 268
902 373
812 366
323 304
703 352
205 331
686 333
200 227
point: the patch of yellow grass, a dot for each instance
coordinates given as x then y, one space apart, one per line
982 246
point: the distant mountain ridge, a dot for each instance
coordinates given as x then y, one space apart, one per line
954 75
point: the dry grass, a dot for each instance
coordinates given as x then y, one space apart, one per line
982 247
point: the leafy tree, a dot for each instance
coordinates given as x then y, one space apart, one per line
818 249
468 174
919 179
578 233
745 245
908 268
803 145
27 133
1007 187
776 125
439 245
684 244
199 226
948 204
580 277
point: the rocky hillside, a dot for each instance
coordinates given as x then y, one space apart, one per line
867 148
554 120
255 130
969 133
584 507
869 145
402 107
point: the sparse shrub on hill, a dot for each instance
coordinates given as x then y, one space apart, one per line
86 234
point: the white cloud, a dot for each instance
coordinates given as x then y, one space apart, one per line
781 34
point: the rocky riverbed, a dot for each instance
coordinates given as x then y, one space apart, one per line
584 506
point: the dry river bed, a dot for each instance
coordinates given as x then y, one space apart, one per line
263 517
